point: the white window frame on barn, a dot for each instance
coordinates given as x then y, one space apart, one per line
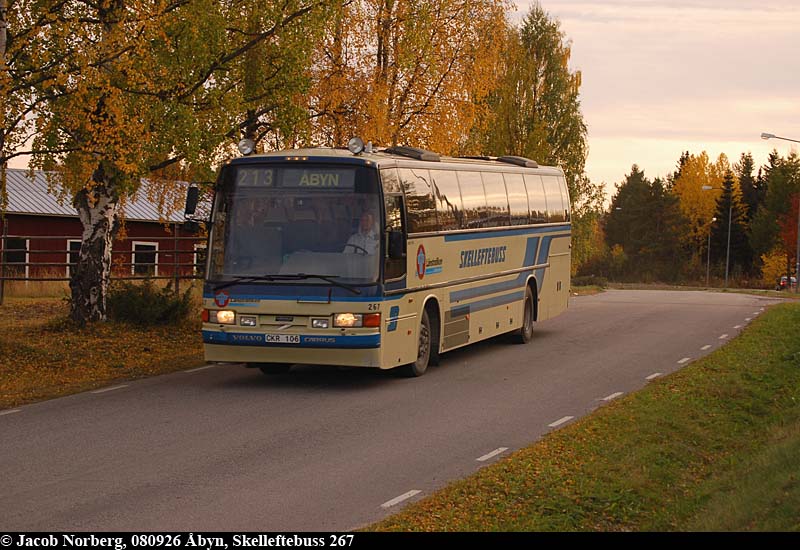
199 246
134 244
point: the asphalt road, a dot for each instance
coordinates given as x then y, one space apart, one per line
225 448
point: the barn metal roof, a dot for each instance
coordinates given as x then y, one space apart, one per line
34 196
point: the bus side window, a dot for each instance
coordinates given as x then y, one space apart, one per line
395 266
390 181
496 198
565 196
536 199
517 199
420 204
555 204
474 199
448 200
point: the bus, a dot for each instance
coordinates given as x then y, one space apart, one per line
382 258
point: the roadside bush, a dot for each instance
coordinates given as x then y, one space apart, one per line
589 280
146 304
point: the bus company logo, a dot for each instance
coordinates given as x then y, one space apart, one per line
421 262
222 299
247 338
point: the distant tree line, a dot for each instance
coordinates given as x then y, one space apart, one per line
678 229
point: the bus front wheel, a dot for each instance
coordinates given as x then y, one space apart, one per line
525 333
418 367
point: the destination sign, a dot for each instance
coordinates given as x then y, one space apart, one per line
306 178
319 178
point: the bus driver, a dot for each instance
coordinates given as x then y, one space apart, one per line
367 239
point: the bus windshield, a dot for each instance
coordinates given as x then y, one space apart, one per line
295 220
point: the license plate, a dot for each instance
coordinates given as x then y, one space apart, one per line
283 338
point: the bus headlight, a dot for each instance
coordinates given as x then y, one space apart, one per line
320 323
248 320
350 320
345 320
223 317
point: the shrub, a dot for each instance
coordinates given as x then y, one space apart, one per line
146 304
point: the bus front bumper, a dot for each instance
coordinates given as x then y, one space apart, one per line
359 350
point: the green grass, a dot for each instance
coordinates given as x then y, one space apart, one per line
714 446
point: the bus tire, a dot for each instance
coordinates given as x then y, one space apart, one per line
271 369
418 367
525 333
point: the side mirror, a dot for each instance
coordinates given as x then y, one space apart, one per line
397 245
192 196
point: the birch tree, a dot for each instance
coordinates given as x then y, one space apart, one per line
128 89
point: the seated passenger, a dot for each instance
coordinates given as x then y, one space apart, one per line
367 240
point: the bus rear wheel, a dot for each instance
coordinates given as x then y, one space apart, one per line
418 367
524 334
271 369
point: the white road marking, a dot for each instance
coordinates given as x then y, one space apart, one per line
654 376
749 319
401 498
704 348
202 368
494 453
612 396
12 411
723 336
560 421
112 388
756 313
684 360
737 326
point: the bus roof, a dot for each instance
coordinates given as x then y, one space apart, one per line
386 159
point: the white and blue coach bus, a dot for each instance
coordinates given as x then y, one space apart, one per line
384 258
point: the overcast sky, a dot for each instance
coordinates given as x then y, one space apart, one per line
665 76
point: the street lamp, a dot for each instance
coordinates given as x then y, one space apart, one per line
730 212
765 135
708 248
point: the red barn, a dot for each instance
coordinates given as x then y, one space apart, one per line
41 235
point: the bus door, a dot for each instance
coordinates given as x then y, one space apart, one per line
399 338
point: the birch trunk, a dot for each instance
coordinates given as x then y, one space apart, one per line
97 208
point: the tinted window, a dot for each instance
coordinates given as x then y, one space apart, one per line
536 200
449 209
474 199
517 198
555 205
496 198
420 205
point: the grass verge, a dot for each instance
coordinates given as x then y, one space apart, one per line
45 356
714 446
588 290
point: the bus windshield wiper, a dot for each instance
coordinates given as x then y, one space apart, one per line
247 279
327 278
289 277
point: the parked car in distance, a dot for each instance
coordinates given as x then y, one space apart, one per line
781 284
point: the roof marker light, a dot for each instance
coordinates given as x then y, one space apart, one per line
247 146
355 145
